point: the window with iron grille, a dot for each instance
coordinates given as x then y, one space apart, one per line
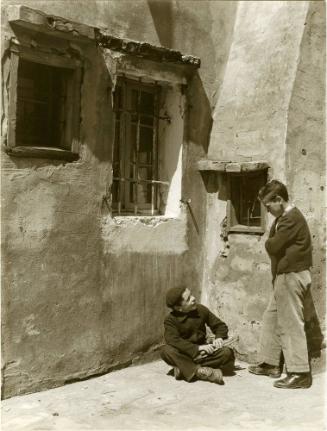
245 213
135 155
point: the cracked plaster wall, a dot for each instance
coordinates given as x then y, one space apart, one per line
77 297
270 107
71 287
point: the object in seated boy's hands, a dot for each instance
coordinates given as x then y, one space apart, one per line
226 343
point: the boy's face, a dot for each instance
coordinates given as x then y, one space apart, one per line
188 302
275 207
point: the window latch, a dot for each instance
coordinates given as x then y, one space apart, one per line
165 117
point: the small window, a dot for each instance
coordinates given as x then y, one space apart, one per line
245 212
44 106
41 105
135 157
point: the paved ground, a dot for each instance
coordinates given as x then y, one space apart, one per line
145 398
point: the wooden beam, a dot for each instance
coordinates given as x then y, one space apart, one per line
42 153
44 57
231 166
12 111
36 20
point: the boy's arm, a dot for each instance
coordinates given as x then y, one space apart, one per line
173 338
285 233
218 327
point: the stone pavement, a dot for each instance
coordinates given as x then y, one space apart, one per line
143 397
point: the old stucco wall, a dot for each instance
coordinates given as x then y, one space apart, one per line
275 67
83 293
306 142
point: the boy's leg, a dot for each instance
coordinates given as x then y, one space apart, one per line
291 289
270 346
223 358
177 359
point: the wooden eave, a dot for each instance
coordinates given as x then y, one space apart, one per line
35 20
221 166
32 19
146 50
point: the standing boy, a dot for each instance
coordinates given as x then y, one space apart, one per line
289 248
186 348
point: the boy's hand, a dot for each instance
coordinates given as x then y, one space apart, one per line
209 349
218 343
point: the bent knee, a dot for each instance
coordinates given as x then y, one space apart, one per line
228 353
167 351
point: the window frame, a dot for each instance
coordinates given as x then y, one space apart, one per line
233 227
128 84
70 151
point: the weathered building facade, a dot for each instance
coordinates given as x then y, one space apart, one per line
128 168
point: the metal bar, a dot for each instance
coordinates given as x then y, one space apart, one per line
122 140
119 188
152 199
140 180
34 101
157 116
145 165
154 153
137 148
193 216
50 102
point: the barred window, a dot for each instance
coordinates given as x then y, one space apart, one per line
245 212
135 155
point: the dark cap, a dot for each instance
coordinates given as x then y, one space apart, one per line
174 295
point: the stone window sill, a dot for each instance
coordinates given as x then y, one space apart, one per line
149 220
230 166
258 230
42 153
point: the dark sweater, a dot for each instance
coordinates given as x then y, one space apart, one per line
186 332
289 247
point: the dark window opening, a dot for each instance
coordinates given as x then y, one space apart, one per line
246 213
41 105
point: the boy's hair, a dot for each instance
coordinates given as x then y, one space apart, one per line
274 188
174 296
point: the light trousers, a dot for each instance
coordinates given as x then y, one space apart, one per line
283 323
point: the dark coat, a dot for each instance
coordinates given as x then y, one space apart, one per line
289 246
186 332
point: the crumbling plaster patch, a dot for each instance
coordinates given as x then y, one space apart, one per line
306 141
145 235
251 120
172 81
73 274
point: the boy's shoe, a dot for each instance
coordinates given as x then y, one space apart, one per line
177 373
295 381
210 375
265 370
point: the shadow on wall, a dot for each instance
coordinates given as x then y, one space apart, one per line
312 327
306 155
199 115
164 26
215 183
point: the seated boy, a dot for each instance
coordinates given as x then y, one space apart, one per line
185 335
